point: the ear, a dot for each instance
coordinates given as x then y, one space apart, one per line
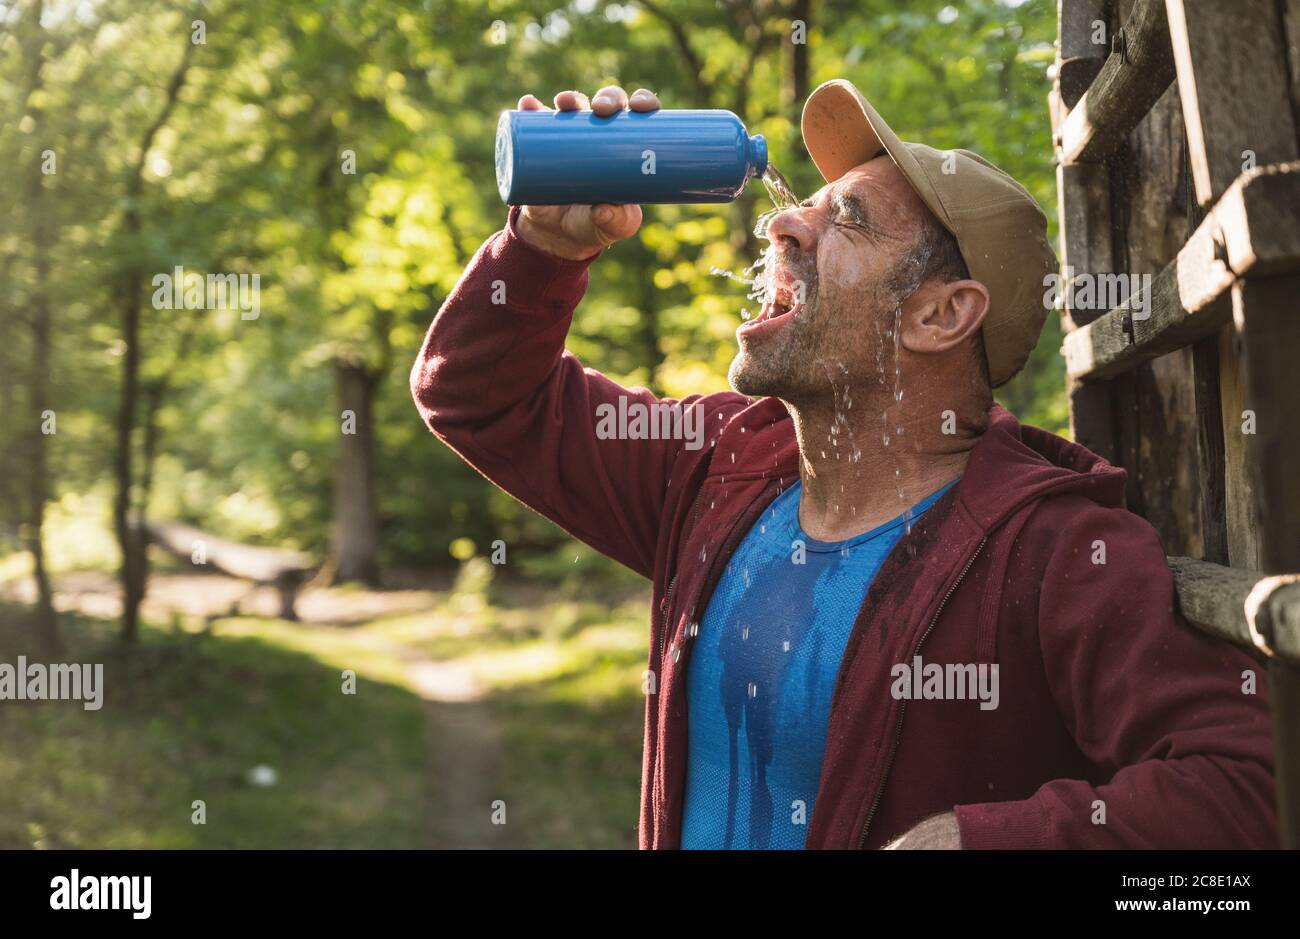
940 316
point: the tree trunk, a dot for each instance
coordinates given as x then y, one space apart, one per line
131 573
355 544
38 487
128 519
38 484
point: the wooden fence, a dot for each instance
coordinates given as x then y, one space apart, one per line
1175 124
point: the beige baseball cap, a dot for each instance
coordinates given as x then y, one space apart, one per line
1001 231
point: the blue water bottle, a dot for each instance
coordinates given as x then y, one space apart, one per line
562 157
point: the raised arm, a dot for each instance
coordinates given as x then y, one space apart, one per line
494 382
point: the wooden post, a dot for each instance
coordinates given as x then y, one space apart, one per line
1232 78
1083 204
1210 447
1291 36
1166 467
1265 317
1238 487
1083 192
1080 55
1264 312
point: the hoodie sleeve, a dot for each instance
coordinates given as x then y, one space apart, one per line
1167 712
493 381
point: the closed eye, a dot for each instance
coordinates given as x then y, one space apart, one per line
847 220
847 214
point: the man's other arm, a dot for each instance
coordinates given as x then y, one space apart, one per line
1179 718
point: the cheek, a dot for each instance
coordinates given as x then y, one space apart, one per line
840 263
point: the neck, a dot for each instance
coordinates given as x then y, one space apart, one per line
860 469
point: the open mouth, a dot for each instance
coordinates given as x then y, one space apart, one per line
781 306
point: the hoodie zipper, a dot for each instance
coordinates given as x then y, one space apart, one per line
902 708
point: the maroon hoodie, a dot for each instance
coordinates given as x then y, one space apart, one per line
1118 726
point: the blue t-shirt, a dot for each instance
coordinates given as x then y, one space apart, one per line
761 674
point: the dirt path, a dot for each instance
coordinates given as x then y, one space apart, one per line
465 754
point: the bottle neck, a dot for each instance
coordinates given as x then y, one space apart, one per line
757 155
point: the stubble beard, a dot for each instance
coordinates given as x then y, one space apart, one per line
814 361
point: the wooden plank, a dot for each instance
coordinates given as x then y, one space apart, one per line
1080 54
1083 202
1083 211
1291 35
1284 689
1232 78
1134 76
1105 348
1264 313
1238 485
1253 229
1167 467
1236 604
1211 455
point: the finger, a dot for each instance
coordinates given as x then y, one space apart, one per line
530 103
615 222
643 99
609 100
572 101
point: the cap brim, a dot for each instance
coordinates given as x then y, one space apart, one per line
842 130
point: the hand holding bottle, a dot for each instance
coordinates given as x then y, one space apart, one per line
577 232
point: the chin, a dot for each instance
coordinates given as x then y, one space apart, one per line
752 378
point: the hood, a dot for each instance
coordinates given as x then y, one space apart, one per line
1011 465
1014 464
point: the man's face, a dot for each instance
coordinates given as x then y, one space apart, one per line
836 273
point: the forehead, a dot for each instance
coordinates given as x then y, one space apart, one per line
873 182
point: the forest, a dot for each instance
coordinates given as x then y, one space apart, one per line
228 225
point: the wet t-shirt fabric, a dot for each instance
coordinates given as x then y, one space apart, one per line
761 673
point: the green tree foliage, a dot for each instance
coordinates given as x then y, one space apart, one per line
343 152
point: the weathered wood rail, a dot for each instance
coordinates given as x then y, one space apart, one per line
1244 607
1178 159
1133 77
284 570
1252 230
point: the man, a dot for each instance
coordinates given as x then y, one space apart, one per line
885 612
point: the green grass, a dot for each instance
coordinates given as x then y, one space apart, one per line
184 718
563 667
186 715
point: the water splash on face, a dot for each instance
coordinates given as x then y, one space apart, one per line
752 277
755 275
903 284
782 196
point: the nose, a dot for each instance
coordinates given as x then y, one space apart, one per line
794 229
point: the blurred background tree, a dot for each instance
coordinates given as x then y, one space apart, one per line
343 152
